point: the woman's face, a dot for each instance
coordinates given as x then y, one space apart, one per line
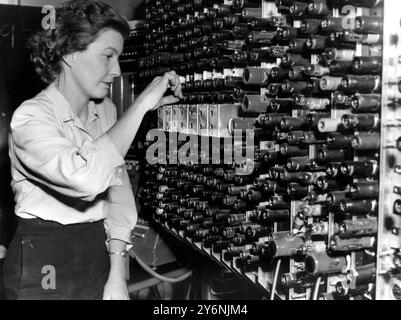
94 69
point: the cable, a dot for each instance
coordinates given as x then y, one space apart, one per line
158 276
275 279
189 290
316 289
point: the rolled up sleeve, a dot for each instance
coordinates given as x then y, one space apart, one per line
45 155
120 211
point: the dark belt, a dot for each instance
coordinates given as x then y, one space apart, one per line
39 226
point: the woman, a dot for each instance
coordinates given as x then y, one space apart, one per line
73 198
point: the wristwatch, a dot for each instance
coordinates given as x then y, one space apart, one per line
123 253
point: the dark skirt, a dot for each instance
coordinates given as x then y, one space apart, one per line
47 260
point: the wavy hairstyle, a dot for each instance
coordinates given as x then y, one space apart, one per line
78 24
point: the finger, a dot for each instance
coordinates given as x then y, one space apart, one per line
171 78
178 91
169 100
180 94
177 86
169 75
174 83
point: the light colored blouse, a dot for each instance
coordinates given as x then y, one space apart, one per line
68 172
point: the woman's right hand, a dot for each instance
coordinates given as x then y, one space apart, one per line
153 95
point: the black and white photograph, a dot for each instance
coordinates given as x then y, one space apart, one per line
199 156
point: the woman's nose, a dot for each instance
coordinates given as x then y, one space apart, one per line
116 70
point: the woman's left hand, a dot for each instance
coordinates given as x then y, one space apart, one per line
115 289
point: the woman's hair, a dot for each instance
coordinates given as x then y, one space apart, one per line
78 24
